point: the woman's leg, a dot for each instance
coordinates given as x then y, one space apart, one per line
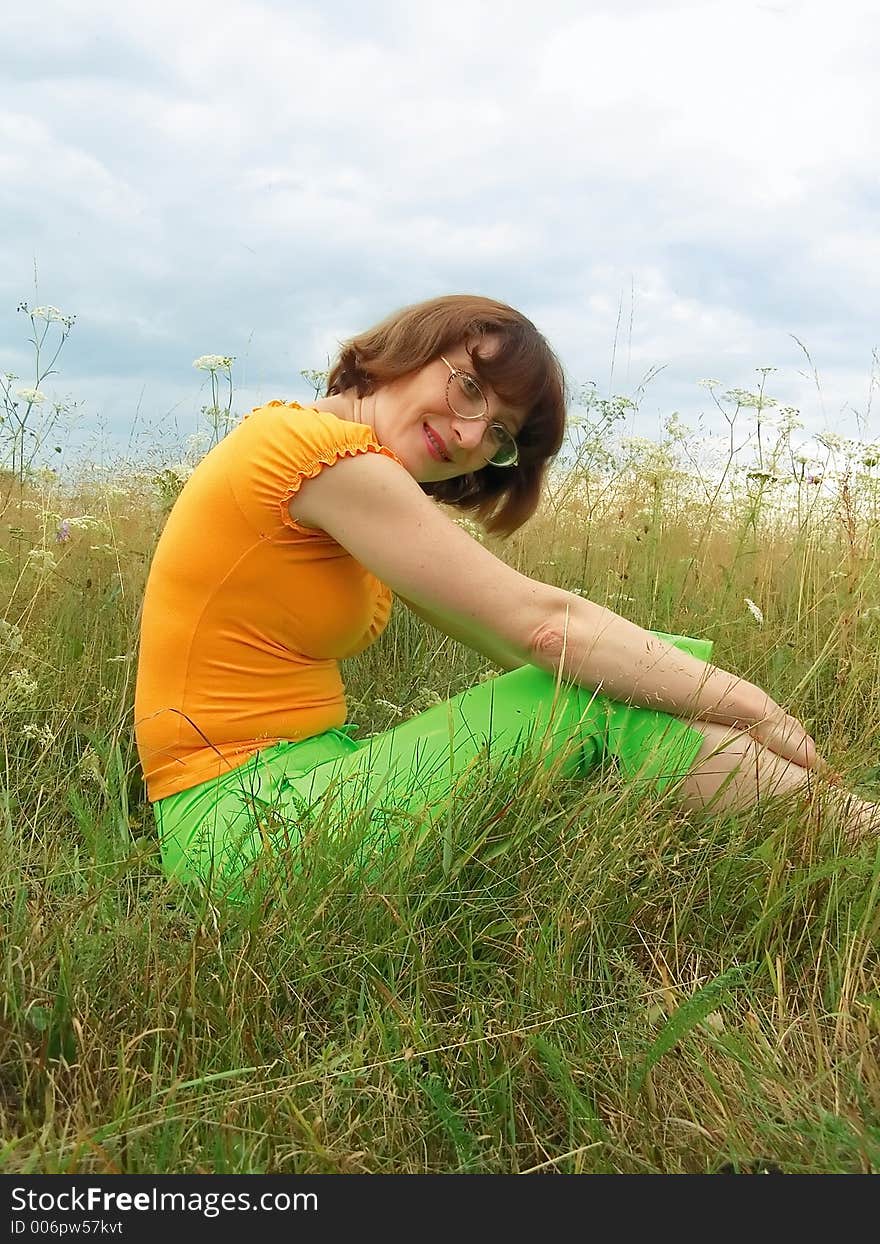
404 775
733 772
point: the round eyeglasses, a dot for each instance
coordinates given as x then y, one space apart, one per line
465 398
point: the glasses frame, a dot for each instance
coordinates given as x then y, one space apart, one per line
458 371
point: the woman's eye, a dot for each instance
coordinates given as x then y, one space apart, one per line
470 388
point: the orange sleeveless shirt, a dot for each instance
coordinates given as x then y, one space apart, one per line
246 613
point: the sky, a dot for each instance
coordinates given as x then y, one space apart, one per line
677 189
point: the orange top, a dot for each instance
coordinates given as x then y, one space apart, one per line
246 612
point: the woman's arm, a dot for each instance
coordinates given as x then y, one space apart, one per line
491 646
377 511
631 664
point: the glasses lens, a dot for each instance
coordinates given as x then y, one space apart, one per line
467 399
466 396
502 445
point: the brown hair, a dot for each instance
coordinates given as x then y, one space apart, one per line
524 372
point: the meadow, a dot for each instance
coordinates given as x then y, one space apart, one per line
581 977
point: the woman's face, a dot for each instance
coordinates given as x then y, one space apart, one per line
412 416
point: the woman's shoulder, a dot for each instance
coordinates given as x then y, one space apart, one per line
295 428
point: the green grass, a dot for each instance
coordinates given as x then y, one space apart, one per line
584 978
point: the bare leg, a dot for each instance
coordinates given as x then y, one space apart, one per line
733 772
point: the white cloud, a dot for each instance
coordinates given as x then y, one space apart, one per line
268 178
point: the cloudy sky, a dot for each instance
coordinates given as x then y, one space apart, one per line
697 179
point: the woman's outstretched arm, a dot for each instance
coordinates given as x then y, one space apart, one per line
375 509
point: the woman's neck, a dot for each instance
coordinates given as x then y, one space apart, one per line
345 405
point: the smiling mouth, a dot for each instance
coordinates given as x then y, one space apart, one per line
436 444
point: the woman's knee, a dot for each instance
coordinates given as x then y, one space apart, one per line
732 770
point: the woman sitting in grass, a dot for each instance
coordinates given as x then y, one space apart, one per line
280 558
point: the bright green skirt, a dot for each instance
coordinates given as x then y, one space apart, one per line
216 831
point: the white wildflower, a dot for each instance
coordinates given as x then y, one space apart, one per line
755 611
85 522
41 560
32 396
709 384
17 687
10 636
44 735
214 362
426 698
756 401
395 708
52 316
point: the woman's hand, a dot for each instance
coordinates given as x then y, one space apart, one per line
784 735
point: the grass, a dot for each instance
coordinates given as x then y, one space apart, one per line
587 980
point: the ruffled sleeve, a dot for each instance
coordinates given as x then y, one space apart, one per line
283 444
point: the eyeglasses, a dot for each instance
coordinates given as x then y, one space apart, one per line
465 398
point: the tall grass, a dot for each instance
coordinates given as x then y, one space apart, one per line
589 979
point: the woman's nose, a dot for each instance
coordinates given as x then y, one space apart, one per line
470 432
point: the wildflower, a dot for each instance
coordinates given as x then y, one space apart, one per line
395 708
214 362
62 535
90 768
11 637
755 611
52 316
85 522
317 379
709 384
43 735
33 397
426 698
18 686
813 479
756 401
41 560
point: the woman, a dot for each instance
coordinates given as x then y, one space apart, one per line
280 558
